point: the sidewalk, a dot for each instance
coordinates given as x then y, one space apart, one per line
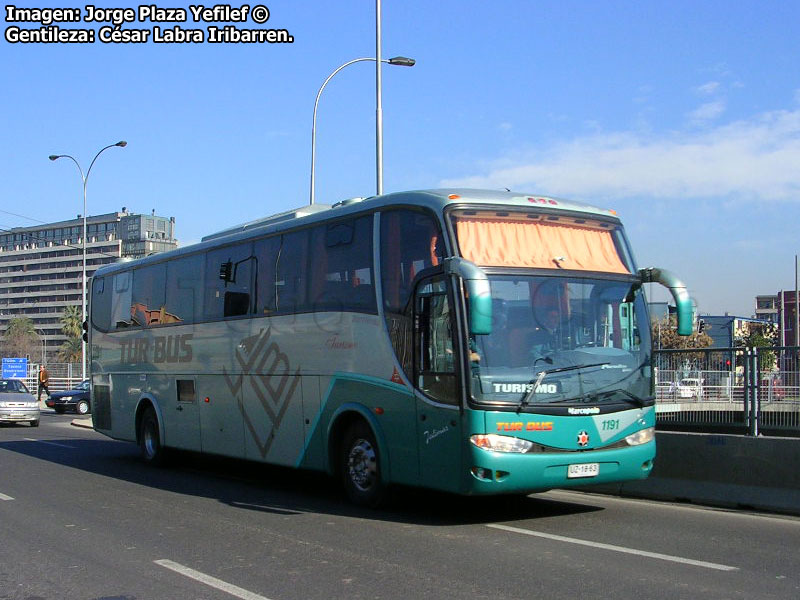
85 422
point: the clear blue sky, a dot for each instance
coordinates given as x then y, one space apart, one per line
682 116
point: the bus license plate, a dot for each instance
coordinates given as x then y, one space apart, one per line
585 470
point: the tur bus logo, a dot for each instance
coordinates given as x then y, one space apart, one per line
269 377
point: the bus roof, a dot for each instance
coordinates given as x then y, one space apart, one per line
435 199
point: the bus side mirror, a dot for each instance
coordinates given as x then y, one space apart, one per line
480 306
683 303
479 291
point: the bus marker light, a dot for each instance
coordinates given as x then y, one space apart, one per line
481 473
377 410
454 197
207 399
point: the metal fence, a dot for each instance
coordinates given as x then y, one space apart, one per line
740 390
63 376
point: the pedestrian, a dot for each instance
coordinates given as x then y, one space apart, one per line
44 380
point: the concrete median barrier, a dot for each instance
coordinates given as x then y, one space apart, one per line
721 470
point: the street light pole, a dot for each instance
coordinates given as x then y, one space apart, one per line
44 345
85 179
397 60
378 103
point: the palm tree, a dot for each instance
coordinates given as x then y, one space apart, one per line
71 350
71 323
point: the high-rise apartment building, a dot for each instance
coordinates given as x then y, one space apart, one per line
41 266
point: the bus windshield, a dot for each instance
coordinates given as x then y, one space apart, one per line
563 339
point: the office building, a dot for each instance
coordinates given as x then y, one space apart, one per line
41 266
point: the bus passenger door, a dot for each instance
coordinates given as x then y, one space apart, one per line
437 390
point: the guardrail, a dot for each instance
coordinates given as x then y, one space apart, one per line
737 390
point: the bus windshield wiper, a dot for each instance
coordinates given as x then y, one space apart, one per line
626 396
526 399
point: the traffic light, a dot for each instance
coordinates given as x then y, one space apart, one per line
86 331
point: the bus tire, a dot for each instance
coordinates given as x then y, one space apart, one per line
150 440
360 466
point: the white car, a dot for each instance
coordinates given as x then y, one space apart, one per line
690 387
17 404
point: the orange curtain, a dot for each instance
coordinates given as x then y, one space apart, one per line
504 243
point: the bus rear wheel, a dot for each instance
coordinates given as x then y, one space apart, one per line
149 439
360 466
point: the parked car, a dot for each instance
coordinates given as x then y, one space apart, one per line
76 399
690 387
17 404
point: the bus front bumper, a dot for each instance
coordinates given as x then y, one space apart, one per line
510 473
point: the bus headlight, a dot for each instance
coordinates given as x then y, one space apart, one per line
500 443
641 437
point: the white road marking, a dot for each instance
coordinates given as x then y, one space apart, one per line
210 581
4 497
50 443
737 513
561 538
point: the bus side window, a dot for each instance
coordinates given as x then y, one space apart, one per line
291 276
266 252
410 241
100 306
148 300
231 296
185 290
341 277
121 301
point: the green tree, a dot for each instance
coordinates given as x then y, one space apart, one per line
760 335
71 350
20 338
72 327
71 323
665 336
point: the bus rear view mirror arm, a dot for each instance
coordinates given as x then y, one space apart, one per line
480 293
683 303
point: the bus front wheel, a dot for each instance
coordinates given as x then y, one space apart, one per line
149 439
360 466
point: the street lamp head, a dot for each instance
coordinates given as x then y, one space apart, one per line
121 144
402 61
54 156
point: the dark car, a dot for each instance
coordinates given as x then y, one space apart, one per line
76 399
